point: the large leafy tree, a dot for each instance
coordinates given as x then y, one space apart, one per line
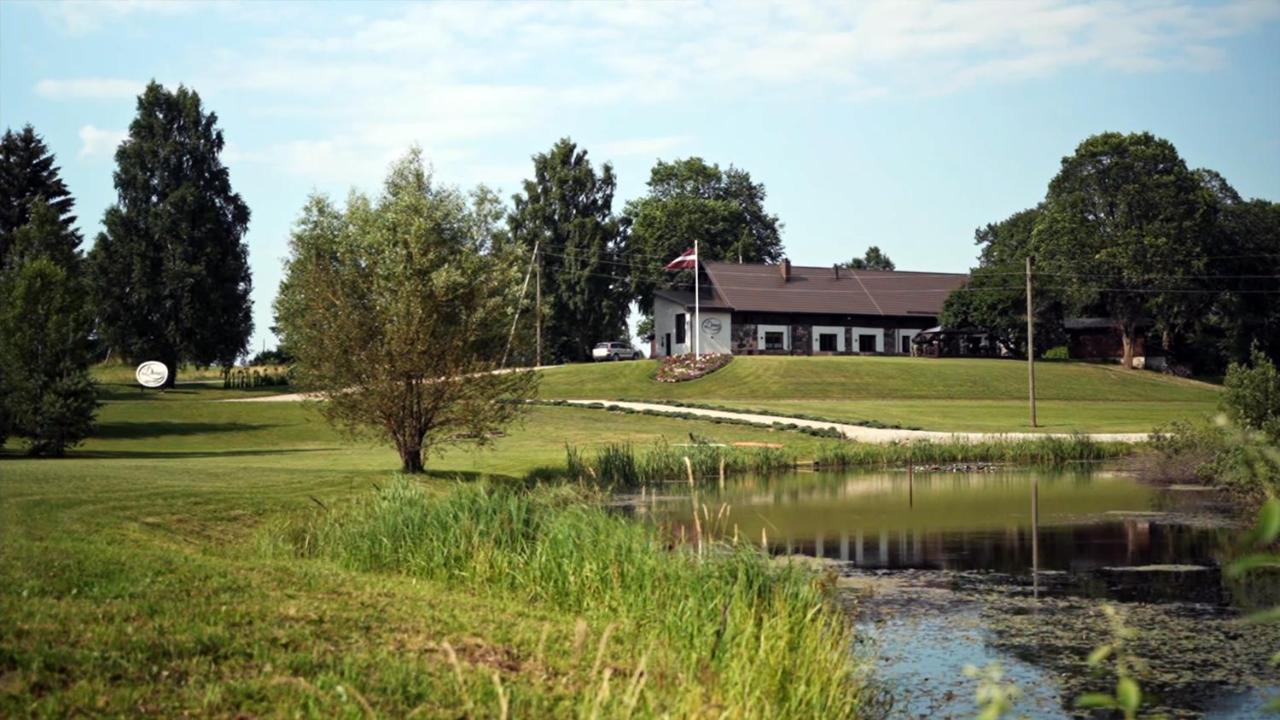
396 310
27 175
1244 267
994 298
47 395
873 259
688 200
1125 230
171 269
566 209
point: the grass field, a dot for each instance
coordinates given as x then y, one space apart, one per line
932 394
141 575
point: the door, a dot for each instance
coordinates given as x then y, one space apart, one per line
866 343
666 344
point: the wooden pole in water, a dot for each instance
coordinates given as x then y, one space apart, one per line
722 473
688 466
1031 346
1035 537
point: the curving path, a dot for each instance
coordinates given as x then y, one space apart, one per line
851 432
856 432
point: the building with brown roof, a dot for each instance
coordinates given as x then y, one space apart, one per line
785 309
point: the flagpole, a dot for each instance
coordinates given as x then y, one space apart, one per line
697 303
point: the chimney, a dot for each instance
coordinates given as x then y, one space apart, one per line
786 270
835 268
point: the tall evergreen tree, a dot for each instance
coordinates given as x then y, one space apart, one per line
568 207
171 270
28 173
47 395
688 200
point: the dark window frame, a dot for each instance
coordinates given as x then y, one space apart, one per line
680 328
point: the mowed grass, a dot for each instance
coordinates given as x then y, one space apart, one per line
141 576
950 394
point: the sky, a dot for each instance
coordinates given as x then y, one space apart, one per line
899 124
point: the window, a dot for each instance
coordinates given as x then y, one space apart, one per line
680 329
827 342
866 343
906 344
773 341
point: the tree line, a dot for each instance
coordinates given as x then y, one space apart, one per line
1127 232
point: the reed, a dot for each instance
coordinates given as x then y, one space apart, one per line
622 466
729 628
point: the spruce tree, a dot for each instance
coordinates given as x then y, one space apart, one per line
45 388
28 173
170 272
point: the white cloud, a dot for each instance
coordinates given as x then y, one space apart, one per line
80 17
454 76
88 89
96 142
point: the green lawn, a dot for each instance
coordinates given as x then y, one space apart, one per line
133 579
933 394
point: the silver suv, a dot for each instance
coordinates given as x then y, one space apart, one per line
615 351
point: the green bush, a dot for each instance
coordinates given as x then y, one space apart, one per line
1057 353
1252 397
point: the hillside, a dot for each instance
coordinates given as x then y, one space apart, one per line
934 394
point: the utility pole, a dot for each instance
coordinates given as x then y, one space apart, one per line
1031 346
537 321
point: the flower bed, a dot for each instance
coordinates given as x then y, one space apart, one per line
679 368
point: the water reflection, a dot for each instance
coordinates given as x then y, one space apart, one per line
943 564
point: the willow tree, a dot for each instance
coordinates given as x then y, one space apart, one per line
396 310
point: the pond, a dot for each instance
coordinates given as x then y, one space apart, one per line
945 570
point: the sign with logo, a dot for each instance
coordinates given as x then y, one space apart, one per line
152 374
712 326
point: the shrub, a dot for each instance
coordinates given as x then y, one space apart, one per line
1057 353
1252 397
679 368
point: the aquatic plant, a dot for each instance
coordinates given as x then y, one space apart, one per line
725 628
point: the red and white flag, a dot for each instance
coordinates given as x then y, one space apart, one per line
688 260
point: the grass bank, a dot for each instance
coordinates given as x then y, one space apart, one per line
724 630
950 394
623 465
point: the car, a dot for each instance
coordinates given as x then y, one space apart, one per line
615 351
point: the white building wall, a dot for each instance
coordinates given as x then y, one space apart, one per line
827 330
784 329
717 331
877 332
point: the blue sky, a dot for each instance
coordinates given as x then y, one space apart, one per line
900 124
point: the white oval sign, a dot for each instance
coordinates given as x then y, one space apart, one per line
152 374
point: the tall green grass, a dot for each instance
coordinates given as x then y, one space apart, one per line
725 628
621 465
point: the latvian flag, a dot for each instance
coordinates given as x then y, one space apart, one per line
688 260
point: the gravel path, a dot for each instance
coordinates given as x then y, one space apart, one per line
852 432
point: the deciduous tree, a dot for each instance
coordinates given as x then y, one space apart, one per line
396 314
873 259
171 269
567 210
688 200
1125 228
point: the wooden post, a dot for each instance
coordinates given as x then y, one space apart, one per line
688 466
1031 346
1035 536
721 473
537 321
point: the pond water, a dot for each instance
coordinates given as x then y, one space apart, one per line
954 568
